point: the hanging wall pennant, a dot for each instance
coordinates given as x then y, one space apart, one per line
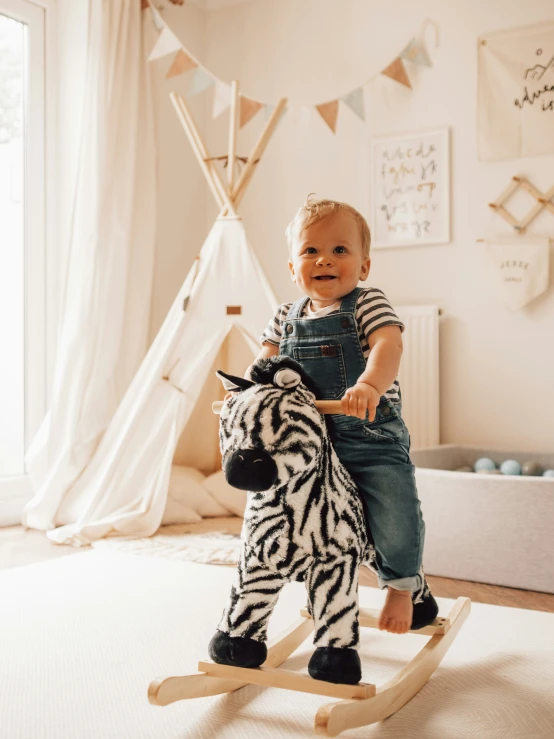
516 93
519 269
330 113
248 109
181 64
355 101
397 72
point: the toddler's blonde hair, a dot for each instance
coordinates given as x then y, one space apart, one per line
315 210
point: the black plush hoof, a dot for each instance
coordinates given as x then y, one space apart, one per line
425 612
336 665
238 651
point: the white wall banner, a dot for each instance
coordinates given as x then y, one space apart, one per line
516 93
519 269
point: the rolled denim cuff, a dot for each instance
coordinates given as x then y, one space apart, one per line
403 583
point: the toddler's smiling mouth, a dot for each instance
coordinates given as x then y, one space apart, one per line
325 277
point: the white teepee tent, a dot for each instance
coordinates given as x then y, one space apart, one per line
214 322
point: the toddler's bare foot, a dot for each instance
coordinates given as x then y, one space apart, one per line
396 615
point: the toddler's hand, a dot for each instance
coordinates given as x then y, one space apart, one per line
359 399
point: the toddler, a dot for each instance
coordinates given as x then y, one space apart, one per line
349 340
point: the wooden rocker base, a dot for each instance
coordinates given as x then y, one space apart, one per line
361 704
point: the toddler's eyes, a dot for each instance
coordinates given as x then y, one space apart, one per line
340 249
310 250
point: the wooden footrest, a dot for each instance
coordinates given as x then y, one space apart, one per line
279 678
370 617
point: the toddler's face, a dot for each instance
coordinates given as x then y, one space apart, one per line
327 259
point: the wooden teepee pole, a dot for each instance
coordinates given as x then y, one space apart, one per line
232 134
217 187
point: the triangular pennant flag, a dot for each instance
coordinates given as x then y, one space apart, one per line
268 111
181 64
166 44
416 52
248 109
329 112
201 81
156 19
304 115
397 71
222 98
355 101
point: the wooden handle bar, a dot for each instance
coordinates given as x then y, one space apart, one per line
323 406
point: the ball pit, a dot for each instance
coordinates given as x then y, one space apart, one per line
487 526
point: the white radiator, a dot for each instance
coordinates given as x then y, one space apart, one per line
419 373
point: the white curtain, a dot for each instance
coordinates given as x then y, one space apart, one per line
105 308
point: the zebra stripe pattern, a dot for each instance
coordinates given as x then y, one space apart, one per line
308 526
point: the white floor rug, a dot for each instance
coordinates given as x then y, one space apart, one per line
81 637
210 541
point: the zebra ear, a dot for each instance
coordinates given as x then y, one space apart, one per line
232 383
286 378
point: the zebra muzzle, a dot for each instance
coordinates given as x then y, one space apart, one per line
251 469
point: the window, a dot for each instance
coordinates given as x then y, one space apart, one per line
22 245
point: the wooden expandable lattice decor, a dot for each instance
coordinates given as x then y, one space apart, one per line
544 200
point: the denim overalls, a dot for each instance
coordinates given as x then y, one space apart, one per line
375 454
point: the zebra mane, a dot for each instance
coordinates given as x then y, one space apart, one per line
263 371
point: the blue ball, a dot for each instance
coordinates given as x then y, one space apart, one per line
548 473
510 467
484 463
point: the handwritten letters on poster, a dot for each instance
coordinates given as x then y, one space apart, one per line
411 189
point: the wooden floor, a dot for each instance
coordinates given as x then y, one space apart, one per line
20 547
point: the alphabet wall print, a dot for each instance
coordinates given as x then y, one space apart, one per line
411 195
516 93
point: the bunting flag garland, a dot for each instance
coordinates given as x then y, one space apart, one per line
181 64
416 52
201 81
222 98
248 109
157 20
397 71
355 101
167 43
329 112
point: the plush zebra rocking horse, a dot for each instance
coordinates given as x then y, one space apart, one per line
303 521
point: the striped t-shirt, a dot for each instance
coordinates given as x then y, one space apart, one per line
373 311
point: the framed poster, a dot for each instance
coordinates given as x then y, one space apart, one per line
411 189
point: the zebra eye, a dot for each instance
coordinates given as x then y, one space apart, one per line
286 378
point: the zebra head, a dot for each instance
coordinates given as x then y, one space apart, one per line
270 430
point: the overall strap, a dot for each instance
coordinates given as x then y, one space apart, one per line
349 301
297 308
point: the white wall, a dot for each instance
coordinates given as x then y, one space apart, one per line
496 366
